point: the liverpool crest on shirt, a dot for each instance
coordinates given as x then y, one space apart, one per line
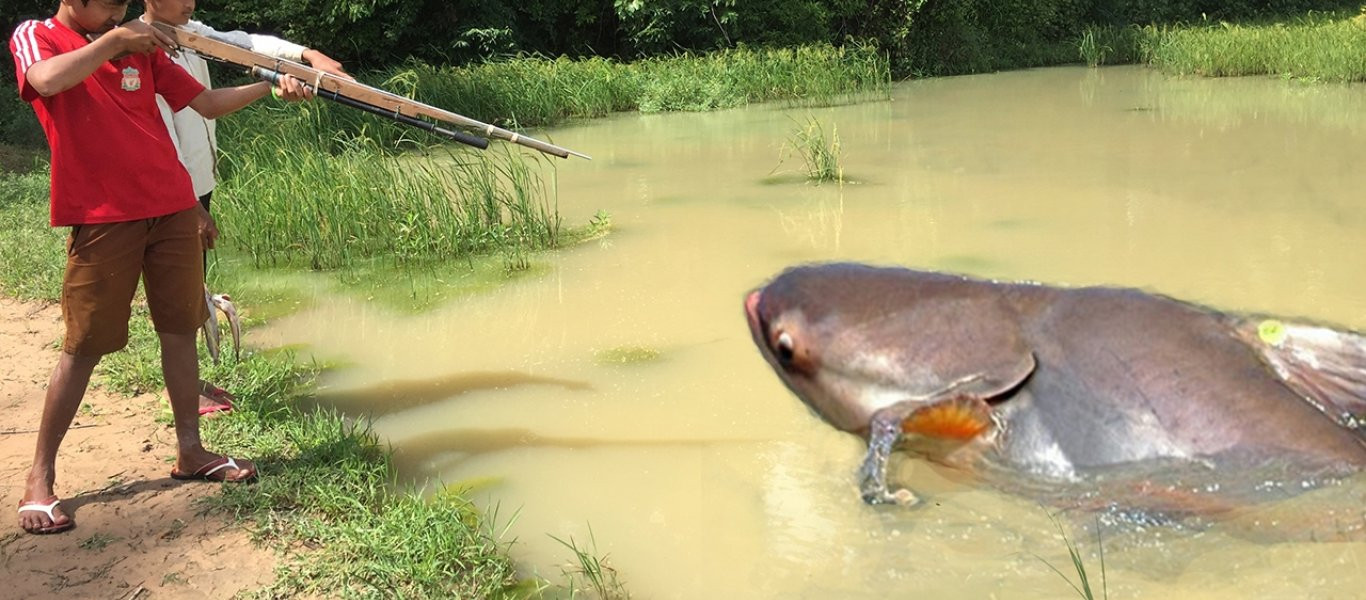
132 82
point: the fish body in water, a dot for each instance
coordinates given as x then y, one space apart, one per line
1035 387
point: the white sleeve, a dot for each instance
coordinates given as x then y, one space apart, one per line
273 46
236 38
265 44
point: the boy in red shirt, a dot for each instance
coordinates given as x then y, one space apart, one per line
117 182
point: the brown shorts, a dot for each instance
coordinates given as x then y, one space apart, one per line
102 268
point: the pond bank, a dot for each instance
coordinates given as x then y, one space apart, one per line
135 526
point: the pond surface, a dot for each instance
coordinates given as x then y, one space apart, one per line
620 390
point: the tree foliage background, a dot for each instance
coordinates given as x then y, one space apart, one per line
922 37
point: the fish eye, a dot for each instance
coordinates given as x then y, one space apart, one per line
784 347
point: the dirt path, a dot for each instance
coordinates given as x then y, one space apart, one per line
138 532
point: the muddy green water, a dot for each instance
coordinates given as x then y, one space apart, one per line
620 390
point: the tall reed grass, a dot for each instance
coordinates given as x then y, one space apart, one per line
1111 45
1316 46
322 211
1093 51
530 91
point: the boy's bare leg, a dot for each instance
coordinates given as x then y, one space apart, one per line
180 364
65 390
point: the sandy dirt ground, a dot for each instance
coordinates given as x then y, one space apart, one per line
139 533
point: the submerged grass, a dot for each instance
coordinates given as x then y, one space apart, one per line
591 573
627 355
1083 585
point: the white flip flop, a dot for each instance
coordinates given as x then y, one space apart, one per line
47 509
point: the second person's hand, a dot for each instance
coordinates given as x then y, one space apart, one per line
208 229
325 63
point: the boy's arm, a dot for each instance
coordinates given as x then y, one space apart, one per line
271 46
212 104
60 73
282 48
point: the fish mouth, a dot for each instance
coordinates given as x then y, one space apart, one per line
756 324
752 308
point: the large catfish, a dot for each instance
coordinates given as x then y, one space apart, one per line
1026 384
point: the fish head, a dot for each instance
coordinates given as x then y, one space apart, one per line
851 340
809 327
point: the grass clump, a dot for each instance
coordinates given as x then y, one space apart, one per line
1110 45
1093 51
591 574
736 77
329 486
325 211
1318 46
820 155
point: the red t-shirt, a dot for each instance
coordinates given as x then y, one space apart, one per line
112 159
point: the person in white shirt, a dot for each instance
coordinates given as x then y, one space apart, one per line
194 136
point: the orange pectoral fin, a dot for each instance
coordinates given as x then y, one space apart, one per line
959 418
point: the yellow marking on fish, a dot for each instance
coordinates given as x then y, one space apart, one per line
1272 332
960 419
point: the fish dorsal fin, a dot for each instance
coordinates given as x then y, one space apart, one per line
1325 366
